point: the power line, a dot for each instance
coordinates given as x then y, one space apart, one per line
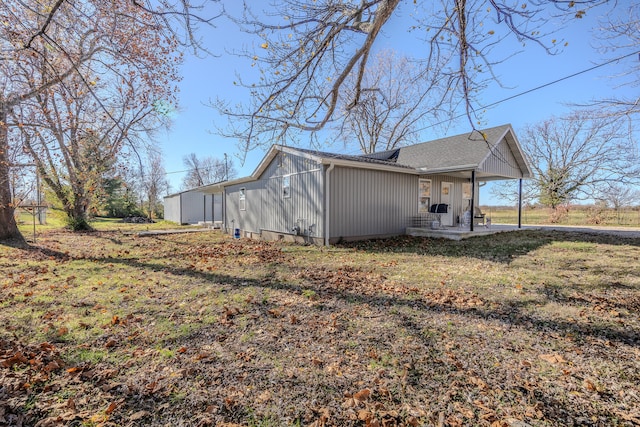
562 79
493 104
526 92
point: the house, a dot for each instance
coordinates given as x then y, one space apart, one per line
323 198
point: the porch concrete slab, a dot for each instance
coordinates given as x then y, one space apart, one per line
457 233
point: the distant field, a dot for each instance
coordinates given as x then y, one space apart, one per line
575 216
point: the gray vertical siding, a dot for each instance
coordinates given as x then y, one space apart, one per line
371 203
172 208
208 207
501 162
363 202
268 209
217 207
193 207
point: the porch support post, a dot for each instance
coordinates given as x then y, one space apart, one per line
473 198
520 203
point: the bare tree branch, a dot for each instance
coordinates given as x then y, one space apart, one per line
576 157
309 50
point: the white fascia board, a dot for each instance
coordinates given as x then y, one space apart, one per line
266 160
521 155
174 194
220 186
431 171
363 165
293 151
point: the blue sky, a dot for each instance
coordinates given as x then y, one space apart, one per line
205 79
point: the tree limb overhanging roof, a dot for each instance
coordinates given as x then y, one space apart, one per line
458 153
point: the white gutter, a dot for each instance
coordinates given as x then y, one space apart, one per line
327 203
446 169
375 166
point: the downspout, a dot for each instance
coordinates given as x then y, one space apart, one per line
327 203
180 208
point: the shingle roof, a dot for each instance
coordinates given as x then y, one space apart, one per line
466 149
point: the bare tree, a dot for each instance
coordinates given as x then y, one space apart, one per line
64 35
510 192
578 157
153 179
618 196
74 145
206 170
75 130
308 50
391 108
21 39
621 33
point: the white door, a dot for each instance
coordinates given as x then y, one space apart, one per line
446 195
446 192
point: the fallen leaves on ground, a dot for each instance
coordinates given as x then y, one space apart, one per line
107 329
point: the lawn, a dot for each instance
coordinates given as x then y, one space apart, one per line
528 328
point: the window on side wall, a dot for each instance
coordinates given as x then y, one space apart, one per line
286 186
424 195
243 201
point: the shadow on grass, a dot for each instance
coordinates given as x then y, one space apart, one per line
16 243
510 314
492 247
501 248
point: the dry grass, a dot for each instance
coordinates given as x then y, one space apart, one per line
575 215
525 328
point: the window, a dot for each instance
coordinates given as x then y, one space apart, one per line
424 195
286 186
243 203
466 190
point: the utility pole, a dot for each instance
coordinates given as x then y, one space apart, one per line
226 169
36 208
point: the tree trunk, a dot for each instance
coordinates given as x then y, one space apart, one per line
77 215
8 226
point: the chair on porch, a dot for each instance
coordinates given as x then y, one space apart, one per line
478 216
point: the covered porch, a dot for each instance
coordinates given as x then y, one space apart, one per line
460 167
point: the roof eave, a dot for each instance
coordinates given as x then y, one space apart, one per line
461 168
363 165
